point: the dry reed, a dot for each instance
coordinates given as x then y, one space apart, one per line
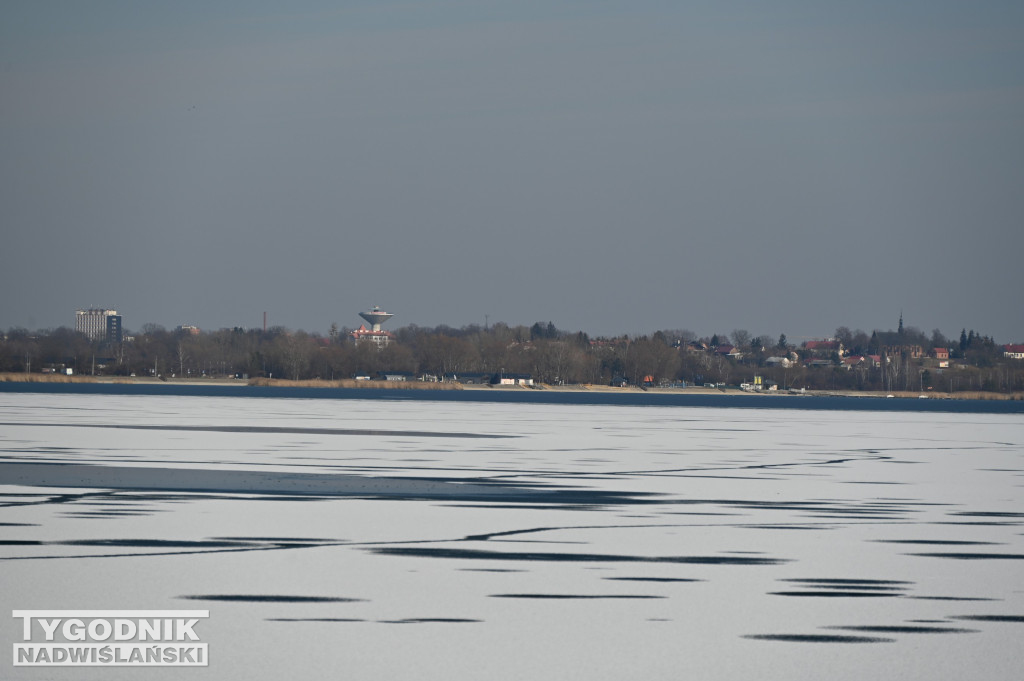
352 383
12 377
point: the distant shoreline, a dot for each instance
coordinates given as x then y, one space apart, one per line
420 386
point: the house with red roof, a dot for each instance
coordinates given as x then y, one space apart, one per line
729 351
824 348
1013 351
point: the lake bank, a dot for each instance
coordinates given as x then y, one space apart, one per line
576 389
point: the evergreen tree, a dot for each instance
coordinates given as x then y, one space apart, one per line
963 339
783 343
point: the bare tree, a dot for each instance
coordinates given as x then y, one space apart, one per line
182 354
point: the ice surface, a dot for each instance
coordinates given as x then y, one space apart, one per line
373 539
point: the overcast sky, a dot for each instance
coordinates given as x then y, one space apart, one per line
615 167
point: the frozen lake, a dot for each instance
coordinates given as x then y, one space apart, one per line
372 539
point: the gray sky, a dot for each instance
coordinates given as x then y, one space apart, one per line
616 167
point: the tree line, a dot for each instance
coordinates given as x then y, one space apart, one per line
548 354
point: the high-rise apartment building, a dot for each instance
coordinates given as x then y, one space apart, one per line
114 332
99 324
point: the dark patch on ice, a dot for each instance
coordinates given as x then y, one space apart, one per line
952 598
904 629
856 587
577 596
270 429
153 543
171 547
19 542
825 516
267 598
521 507
837 594
313 619
787 527
972 556
854 582
538 541
153 554
104 514
477 554
653 579
936 542
289 540
554 528
989 514
707 513
759 466
278 486
19 524
489 570
845 587
979 523
818 638
990 618
431 620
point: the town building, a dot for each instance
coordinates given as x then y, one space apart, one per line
824 348
469 378
503 378
395 376
1013 351
374 335
100 324
378 338
729 351
911 351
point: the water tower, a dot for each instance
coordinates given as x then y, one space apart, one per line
376 317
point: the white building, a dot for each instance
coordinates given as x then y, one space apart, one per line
1013 351
377 337
99 324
